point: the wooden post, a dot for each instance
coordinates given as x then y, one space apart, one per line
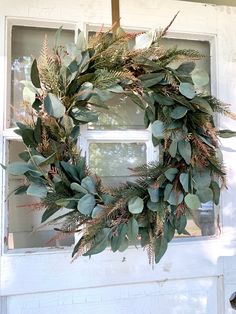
115 12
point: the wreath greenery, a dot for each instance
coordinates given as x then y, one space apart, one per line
69 86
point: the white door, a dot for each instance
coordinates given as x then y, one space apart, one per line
197 275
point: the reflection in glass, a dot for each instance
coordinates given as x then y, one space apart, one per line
113 161
26 45
25 213
123 113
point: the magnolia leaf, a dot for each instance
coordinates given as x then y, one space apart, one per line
200 77
86 204
132 229
49 212
57 37
192 201
100 244
97 211
89 184
160 248
154 194
117 89
173 149
187 90
186 67
171 173
158 129
85 91
135 205
216 192
78 188
205 194
136 99
35 74
37 190
18 168
184 180
143 41
28 96
226 133
53 106
185 150
179 112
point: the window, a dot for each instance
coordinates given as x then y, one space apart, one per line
114 145
24 212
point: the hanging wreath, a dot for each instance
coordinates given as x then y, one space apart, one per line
69 86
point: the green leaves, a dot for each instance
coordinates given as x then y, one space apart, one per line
101 242
158 129
192 201
151 79
37 190
18 168
171 173
184 180
187 90
160 248
179 112
35 74
226 133
132 230
135 205
53 106
185 150
200 77
89 184
86 204
154 194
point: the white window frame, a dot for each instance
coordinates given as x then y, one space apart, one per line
87 136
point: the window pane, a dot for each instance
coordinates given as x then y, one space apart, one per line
26 45
24 215
112 161
123 113
202 64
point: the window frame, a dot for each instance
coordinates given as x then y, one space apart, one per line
87 136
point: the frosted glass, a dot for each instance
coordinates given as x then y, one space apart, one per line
24 215
26 45
112 161
123 113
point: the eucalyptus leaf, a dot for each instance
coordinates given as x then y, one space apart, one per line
78 188
173 149
179 112
201 178
170 173
163 99
86 204
205 194
158 129
135 205
200 77
185 150
187 90
186 67
169 231
167 191
153 206
160 248
100 244
184 180
53 106
154 194
216 192
18 168
37 190
35 74
89 184
175 197
132 229
192 201
97 211
151 79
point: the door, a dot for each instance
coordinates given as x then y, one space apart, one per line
195 275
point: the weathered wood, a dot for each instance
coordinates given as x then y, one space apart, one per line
115 9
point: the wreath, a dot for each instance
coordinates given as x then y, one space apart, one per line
69 86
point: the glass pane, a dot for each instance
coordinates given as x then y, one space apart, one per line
113 161
24 215
26 45
201 46
123 113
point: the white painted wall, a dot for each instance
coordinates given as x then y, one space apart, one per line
194 277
